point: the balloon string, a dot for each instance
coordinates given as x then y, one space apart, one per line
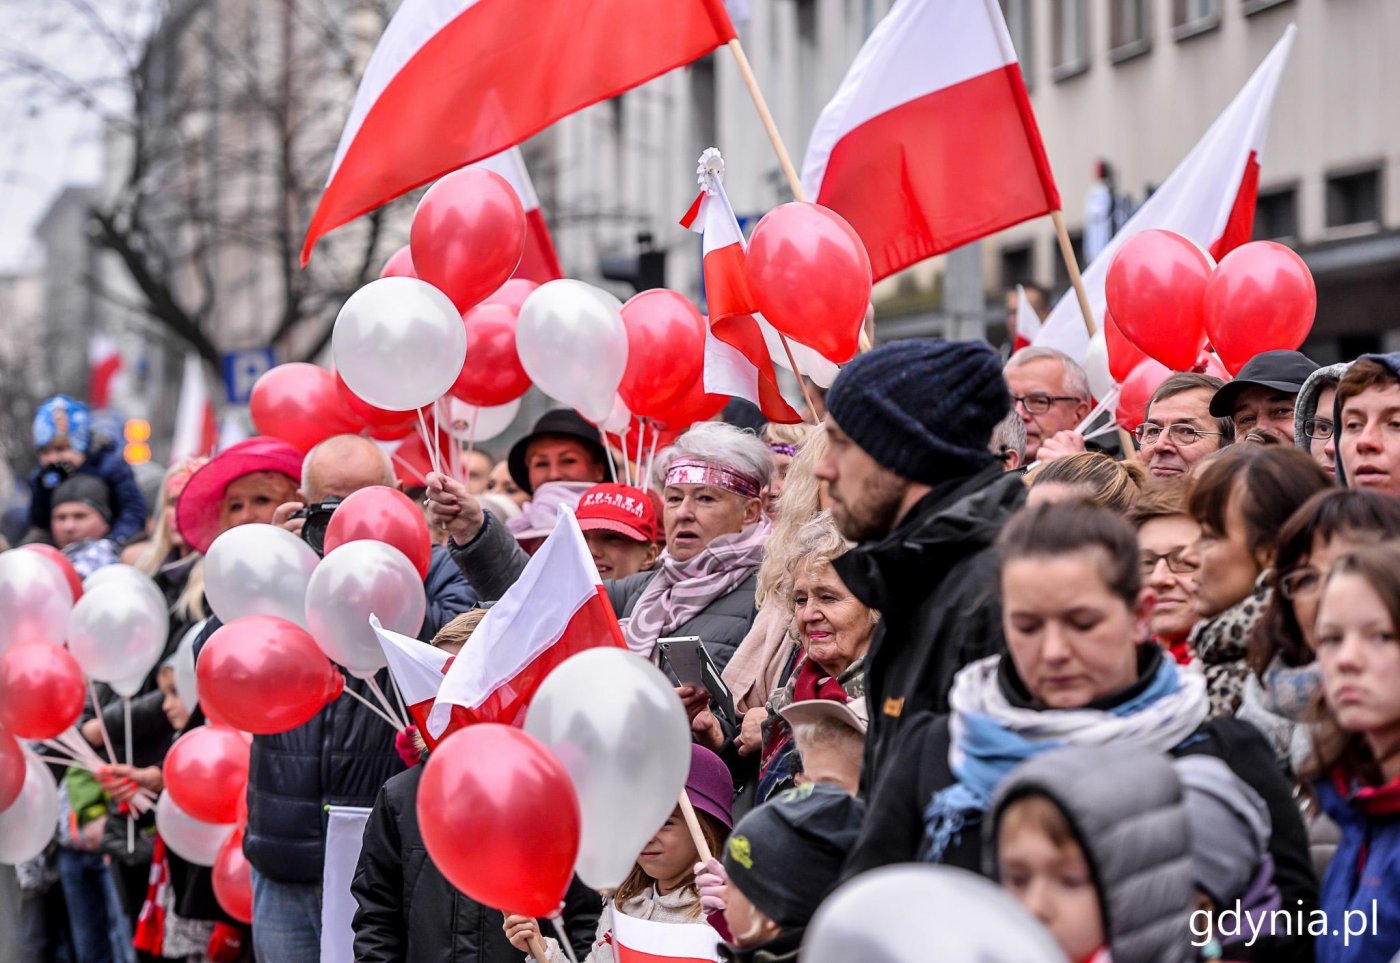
407 467
384 701
101 722
651 458
612 462
430 442
627 452
563 937
373 708
471 444
398 698
130 823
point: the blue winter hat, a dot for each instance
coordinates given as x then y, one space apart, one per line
63 420
925 408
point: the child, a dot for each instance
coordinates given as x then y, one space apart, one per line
1094 843
63 438
661 887
1356 774
830 739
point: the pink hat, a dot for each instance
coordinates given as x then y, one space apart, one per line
197 511
618 508
710 785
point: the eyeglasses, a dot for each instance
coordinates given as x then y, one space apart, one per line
1182 434
1039 404
1178 561
1318 428
1300 583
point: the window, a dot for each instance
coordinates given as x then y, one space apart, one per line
1276 214
1071 32
1018 24
808 64
1017 265
1354 198
1128 24
1251 7
703 115
1192 17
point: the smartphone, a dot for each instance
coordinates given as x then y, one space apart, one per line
686 661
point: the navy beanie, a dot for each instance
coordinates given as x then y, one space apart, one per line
924 409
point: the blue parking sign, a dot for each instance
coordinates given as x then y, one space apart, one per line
242 369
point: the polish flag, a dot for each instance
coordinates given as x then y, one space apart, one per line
196 430
646 941
539 263
557 608
930 141
1208 198
454 81
416 667
738 358
1027 321
104 364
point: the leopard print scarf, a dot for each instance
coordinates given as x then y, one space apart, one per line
1220 643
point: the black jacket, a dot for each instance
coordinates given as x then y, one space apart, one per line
408 911
893 831
934 581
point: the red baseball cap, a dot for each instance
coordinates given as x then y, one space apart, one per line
619 508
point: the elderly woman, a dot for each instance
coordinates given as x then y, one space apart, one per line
703 584
244 483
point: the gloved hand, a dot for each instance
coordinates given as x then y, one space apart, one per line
226 943
710 880
406 743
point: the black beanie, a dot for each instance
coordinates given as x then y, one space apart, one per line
924 409
87 489
786 855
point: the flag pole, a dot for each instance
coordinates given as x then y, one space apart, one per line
1072 266
770 127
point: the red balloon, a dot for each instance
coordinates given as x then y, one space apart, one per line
498 786
665 351
1260 298
399 265
265 675
298 403
467 235
1123 355
381 514
41 690
1156 290
1137 390
697 405
206 772
12 770
75 581
810 276
382 424
233 882
492 374
512 294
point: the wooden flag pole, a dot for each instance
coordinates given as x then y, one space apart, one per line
692 821
1072 266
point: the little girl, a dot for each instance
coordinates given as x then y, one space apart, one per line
661 887
1357 744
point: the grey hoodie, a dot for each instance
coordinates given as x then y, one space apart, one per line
1305 408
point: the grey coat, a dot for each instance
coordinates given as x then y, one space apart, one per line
494 560
1125 806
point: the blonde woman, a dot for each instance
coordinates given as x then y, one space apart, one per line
166 558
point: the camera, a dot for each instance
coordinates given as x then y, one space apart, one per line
317 516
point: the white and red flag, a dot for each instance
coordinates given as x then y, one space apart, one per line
930 141
1208 198
539 262
738 357
1027 321
454 81
646 941
417 669
196 430
558 607
104 364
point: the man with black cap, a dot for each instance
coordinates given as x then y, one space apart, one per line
561 447
1262 396
912 480
80 518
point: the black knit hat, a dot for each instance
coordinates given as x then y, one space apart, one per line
924 409
87 489
786 855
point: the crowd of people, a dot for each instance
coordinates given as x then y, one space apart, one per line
1150 688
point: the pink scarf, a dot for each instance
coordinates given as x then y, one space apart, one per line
681 590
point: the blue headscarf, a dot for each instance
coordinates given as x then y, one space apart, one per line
63 420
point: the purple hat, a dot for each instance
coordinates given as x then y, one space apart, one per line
710 786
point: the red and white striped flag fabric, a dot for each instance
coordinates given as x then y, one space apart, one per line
1027 321
417 669
104 364
1208 198
196 429
738 360
930 141
646 941
557 608
454 81
539 262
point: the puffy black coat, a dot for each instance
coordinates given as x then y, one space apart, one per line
934 581
408 911
105 462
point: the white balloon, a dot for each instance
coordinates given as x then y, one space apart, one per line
116 634
35 599
357 580
399 343
887 915
186 683
1096 366
193 840
573 345
619 419
130 577
259 570
29 823
489 422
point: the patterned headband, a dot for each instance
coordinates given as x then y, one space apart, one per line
781 449
693 471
